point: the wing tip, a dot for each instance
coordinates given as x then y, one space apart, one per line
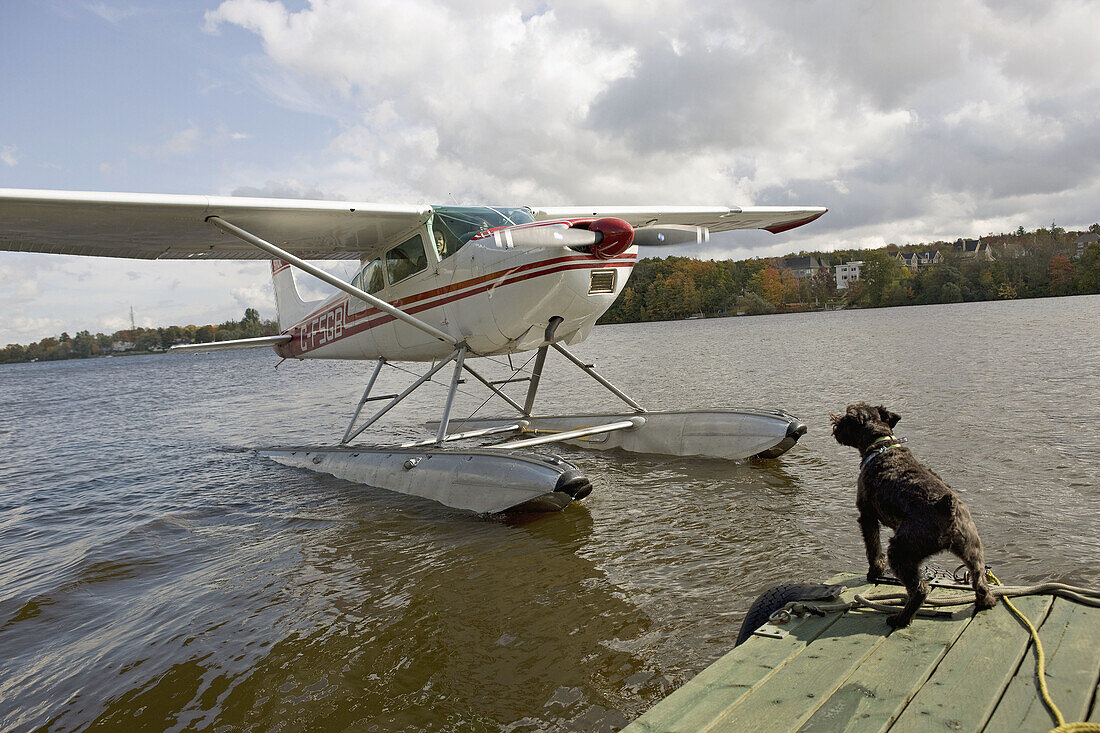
788 225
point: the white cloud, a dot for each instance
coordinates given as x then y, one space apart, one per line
27 290
260 297
184 143
923 117
181 142
19 284
223 135
8 155
112 171
444 99
289 188
24 329
113 14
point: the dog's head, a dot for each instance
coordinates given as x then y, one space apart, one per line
862 424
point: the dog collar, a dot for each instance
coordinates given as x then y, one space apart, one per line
876 452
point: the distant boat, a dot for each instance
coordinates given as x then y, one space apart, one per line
694 316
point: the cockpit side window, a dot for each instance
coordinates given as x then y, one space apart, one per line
406 259
370 278
445 240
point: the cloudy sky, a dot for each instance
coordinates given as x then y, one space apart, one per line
910 121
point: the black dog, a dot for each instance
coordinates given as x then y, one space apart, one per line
925 514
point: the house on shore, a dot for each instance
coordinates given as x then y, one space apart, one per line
803 267
847 274
975 248
1084 240
915 261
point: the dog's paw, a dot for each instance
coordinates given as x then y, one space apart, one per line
876 574
982 603
897 620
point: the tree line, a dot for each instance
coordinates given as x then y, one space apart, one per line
137 340
1021 264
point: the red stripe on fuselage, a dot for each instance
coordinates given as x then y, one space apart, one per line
371 317
417 297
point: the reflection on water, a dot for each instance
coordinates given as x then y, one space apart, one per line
408 622
157 574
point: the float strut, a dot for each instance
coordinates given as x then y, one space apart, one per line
536 375
540 361
390 405
493 387
363 400
442 434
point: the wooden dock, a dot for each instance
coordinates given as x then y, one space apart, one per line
845 672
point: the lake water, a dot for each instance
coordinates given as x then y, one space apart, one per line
154 573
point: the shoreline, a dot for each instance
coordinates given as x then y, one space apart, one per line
711 316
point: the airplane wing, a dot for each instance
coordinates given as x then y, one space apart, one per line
172 226
169 226
775 219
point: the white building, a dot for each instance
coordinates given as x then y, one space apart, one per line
847 273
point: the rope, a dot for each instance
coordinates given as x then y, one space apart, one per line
1040 671
882 602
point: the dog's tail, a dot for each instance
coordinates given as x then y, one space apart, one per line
946 506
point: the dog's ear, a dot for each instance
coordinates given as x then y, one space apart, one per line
843 429
890 418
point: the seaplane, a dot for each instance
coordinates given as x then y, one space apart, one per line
444 286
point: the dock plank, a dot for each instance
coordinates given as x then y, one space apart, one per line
1072 665
963 691
791 695
879 689
709 694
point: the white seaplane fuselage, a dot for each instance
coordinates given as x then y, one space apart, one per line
495 298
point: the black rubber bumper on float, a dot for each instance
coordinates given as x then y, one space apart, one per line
795 430
574 483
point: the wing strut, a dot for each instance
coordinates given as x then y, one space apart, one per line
332 280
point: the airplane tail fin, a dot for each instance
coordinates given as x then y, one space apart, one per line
289 305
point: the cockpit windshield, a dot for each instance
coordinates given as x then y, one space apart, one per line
454 226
